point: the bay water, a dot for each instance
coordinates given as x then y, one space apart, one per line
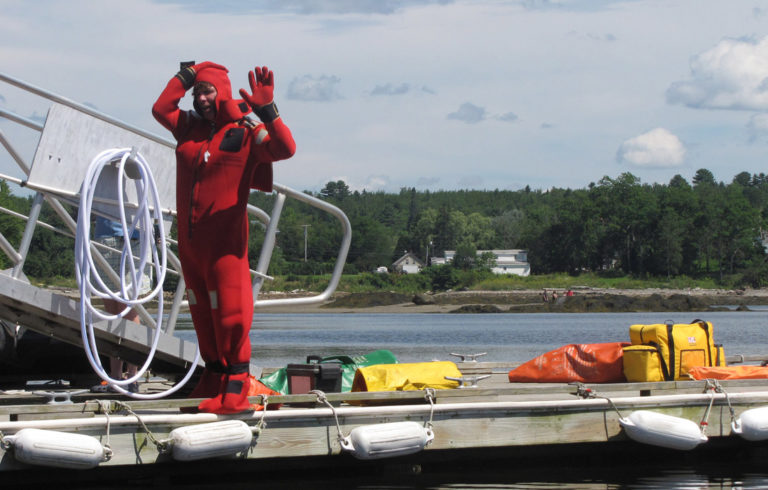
279 339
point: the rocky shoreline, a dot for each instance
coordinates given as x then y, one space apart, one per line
584 300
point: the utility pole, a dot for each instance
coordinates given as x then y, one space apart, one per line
305 241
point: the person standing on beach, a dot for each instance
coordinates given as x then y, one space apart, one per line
220 155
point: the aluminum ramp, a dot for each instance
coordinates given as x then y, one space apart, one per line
58 316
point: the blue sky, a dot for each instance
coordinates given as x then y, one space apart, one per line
434 95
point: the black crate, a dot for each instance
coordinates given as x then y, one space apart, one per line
314 375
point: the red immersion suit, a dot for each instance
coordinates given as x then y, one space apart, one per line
217 164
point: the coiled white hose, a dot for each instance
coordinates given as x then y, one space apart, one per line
130 273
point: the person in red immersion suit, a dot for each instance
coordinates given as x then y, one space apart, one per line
220 155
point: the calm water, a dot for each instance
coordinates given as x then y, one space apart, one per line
279 339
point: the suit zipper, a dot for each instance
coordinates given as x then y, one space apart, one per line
199 167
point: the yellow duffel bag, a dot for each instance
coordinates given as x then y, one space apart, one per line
644 363
402 377
667 351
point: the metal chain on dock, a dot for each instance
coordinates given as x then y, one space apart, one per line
709 389
585 392
5 444
262 424
163 446
713 386
429 395
321 398
104 407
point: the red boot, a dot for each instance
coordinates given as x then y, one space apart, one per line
209 385
236 394
210 381
233 398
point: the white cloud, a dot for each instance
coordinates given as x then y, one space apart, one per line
314 89
376 183
371 183
657 148
36 116
565 5
401 89
468 113
608 37
731 75
304 7
472 114
391 89
508 117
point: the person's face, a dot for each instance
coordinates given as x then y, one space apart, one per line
205 97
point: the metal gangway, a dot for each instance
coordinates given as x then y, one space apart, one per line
71 136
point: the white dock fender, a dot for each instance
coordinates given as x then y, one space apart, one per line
662 430
57 449
387 440
216 439
752 424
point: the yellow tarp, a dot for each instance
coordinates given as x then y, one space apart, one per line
402 377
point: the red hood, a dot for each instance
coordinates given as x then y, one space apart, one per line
227 108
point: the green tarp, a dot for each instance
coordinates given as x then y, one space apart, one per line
278 381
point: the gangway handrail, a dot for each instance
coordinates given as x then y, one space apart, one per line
340 258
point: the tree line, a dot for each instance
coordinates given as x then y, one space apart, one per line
620 226
702 228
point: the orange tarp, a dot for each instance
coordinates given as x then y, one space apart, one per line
728 372
588 363
258 388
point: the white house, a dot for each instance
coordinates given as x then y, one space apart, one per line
408 264
513 261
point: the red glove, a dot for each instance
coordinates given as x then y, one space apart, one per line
262 82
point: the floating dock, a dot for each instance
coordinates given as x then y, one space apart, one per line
464 423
